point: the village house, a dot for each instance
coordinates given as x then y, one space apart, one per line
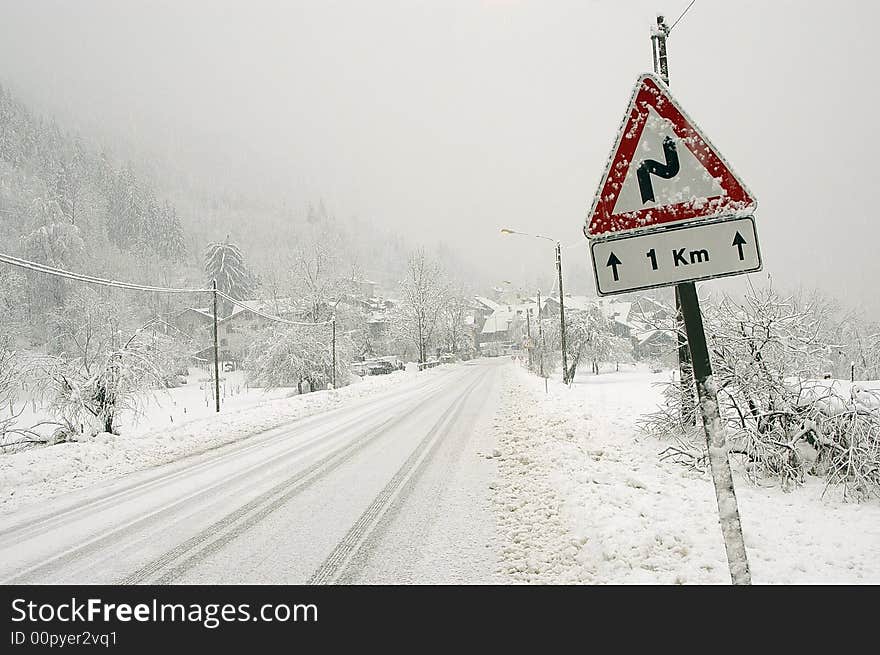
617 312
235 331
504 324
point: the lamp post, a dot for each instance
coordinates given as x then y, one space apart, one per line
505 230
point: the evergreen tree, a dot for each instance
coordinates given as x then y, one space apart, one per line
225 264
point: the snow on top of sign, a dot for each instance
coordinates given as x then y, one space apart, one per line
685 178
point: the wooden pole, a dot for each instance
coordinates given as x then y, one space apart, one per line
216 351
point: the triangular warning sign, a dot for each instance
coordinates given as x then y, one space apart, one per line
663 170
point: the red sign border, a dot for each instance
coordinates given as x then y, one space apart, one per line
651 91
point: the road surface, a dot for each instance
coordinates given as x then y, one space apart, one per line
393 488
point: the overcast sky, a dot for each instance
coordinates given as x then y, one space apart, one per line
450 119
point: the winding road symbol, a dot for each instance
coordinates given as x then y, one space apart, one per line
651 167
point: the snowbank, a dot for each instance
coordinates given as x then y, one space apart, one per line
582 497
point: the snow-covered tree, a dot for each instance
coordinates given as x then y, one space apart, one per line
317 265
454 328
423 299
67 205
589 337
858 352
225 263
13 300
54 244
285 355
161 231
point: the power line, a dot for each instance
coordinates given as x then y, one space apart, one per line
682 15
129 286
269 317
89 279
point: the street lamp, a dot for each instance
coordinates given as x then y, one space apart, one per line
505 230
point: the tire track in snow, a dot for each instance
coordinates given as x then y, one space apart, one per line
189 554
59 561
337 562
261 439
437 473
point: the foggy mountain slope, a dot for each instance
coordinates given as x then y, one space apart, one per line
69 202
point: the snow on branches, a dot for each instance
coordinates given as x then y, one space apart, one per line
283 356
224 264
770 354
18 374
101 367
589 337
423 299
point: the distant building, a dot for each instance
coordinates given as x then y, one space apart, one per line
655 344
361 287
235 331
618 312
508 324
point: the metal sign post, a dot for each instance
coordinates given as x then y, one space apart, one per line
561 314
670 210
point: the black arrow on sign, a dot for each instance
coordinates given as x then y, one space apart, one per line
614 262
738 241
651 167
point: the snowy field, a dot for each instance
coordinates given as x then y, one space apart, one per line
176 424
583 498
170 407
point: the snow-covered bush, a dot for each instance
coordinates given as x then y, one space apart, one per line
19 373
284 356
101 367
767 353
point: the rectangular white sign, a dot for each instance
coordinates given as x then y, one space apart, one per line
687 253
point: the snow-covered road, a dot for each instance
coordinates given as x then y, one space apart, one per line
390 488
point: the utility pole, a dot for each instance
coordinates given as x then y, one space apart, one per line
529 335
541 338
561 313
688 307
506 230
685 374
216 350
333 327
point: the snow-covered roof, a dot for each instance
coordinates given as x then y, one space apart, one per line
582 303
205 313
498 321
613 310
284 305
648 335
246 306
491 304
